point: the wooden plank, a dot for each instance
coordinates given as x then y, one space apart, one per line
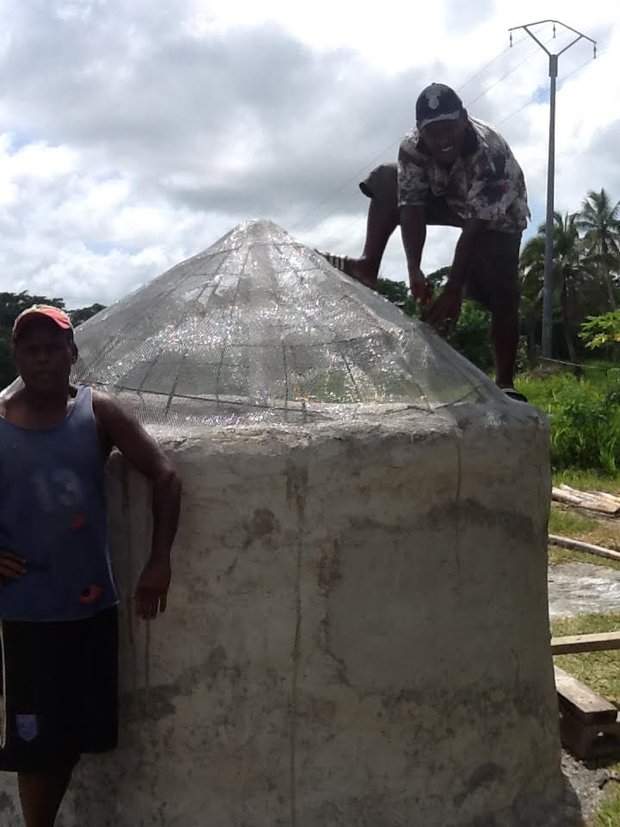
582 701
564 497
591 500
600 642
578 545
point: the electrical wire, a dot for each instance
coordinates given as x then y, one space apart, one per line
369 164
379 155
497 123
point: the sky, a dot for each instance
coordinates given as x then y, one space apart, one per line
134 134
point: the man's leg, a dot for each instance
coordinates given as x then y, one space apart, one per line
380 224
381 187
41 795
494 282
505 338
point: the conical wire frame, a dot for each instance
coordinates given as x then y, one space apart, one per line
260 329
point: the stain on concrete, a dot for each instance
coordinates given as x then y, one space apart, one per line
296 486
161 697
6 804
520 700
330 568
262 526
474 513
482 776
329 575
296 494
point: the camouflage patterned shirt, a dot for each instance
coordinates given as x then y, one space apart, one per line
484 182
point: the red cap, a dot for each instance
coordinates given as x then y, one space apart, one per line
42 310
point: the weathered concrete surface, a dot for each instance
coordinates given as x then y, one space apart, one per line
357 634
583 588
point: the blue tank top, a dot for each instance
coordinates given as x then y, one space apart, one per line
52 513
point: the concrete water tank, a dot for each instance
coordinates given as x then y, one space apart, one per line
357 634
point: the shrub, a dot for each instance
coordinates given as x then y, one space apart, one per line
601 331
585 420
471 336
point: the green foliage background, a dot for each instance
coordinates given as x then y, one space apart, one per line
11 305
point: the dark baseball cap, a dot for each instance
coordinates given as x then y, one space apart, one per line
437 103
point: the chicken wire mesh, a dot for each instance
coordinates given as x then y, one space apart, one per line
260 329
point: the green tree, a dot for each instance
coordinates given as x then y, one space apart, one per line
438 278
599 219
396 291
531 264
471 334
602 332
576 283
12 304
80 315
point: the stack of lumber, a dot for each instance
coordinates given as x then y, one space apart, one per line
597 501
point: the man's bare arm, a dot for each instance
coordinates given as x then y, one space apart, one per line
443 314
147 456
413 231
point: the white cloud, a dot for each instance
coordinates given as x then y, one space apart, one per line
134 135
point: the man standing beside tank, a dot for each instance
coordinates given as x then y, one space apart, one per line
453 170
58 602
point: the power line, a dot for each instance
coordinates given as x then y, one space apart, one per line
369 164
562 82
497 123
379 155
503 77
490 63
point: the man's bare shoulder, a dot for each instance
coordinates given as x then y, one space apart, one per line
107 408
9 399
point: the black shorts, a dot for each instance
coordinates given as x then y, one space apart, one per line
493 278
61 691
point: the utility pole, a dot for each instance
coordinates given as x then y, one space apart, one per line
547 319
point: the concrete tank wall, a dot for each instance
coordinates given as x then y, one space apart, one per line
357 634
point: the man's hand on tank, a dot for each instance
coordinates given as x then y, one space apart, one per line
421 288
152 590
444 312
11 566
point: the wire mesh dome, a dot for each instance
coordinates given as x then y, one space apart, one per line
259 328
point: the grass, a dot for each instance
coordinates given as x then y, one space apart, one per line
601 672
588 480
571 523
585 414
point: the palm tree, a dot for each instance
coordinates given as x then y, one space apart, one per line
573 277
531 267
599 219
